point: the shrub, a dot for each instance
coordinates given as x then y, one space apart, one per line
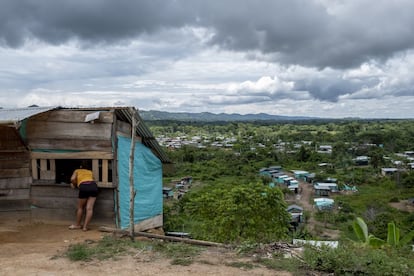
351 259
394 199
235 213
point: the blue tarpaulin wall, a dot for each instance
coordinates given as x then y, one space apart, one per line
147 182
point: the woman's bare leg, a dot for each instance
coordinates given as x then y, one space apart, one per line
89 211
82 202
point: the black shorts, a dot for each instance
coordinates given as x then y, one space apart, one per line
88 189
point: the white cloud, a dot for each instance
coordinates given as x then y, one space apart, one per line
265 85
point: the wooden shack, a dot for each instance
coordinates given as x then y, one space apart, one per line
40 148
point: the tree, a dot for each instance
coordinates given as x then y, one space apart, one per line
408 180
376 157
230 213
304 154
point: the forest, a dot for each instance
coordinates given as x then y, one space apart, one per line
230 201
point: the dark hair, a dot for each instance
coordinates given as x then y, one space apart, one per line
86 164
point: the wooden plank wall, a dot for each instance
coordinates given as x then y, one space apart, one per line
67 130
58 203
56 133
15 177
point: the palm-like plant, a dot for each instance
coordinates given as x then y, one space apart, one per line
394 239
361 231
393 236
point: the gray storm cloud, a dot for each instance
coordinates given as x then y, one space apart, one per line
353 49
291 32
91 21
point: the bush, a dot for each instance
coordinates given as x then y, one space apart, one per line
235 213
350 259
394 199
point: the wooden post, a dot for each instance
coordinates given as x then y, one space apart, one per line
131 178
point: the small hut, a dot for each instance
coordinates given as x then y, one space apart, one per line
41 146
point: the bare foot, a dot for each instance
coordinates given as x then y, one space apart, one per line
73 227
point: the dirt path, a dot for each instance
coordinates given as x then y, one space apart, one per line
38 249
305 200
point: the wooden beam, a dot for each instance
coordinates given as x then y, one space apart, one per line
106 184
151 223
15 205
72 155
95 169
14 163
132 191
57 190
14 173
71 144
58 130
169 238
15 183
52 164
43 165
12 194
104 171
35 174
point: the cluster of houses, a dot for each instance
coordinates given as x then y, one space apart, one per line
195 141
291 180
203 141
280 178
177 188
406 163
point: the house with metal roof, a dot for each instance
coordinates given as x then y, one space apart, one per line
41 146
388 171
324 189
299 174
323 203
296 213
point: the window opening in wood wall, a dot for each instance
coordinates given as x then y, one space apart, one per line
65 168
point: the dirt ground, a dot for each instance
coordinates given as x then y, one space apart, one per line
29 248
403 205
304 199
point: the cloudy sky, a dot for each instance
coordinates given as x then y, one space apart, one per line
325 58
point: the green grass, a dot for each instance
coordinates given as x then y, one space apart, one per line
180 253
111 247
79 252
279 263
242 265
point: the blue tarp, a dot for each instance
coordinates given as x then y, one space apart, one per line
147 182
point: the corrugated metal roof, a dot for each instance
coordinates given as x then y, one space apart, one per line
15 115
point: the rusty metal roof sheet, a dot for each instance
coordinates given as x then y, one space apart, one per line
15 115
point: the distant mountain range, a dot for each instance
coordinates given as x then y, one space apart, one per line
154 115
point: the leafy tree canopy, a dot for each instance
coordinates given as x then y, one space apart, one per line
234 213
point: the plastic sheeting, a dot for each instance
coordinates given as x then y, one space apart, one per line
147 182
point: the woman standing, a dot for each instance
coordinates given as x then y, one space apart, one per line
82 179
